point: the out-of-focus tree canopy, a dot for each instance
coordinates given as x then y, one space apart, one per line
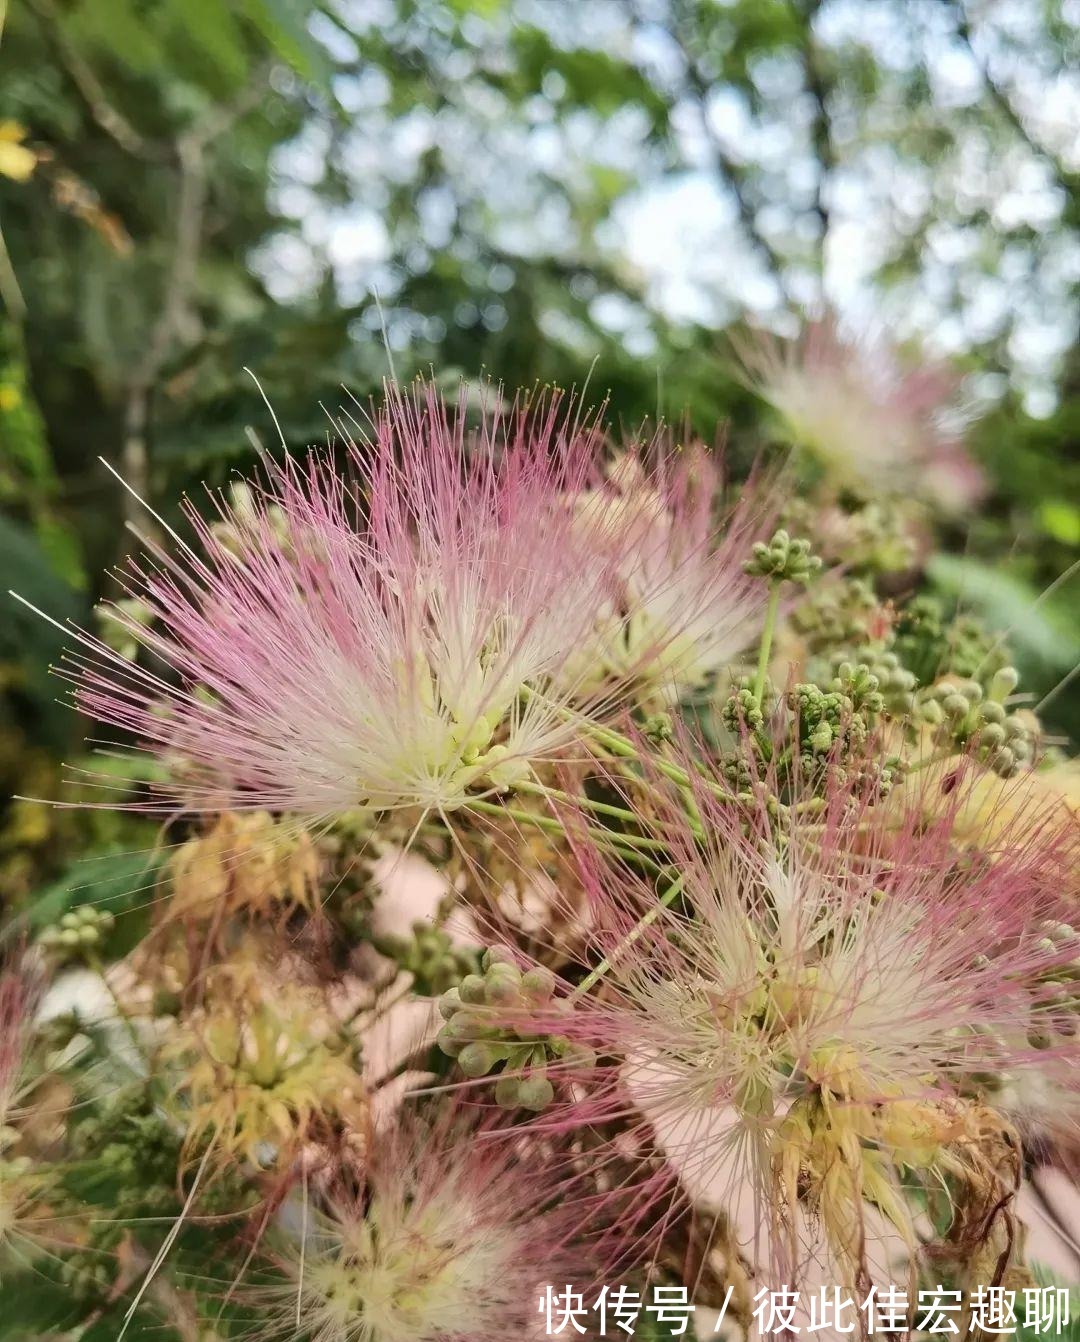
575 191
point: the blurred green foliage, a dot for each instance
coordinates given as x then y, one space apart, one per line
324 192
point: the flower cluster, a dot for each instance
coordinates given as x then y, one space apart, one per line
580 871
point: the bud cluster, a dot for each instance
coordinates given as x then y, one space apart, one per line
479 1031
837 614
741 710
931 645
963 714
842 715
895 683
783 559
78 933
867 537
1056 1004
429 955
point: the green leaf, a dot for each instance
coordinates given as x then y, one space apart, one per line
35 1304
122 883
115 28
1007 605
283 23
1062 520
213 31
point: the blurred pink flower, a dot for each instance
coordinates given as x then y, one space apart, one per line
876 425
410 890
450 1237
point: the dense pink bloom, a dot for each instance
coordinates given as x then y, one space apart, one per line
810 1015
425 634
390 642
875 423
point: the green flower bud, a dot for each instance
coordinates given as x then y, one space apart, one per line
473 990
496 955
659 727
506 1092
574 1054
538 984
504 969
448 1041
992 736
449 1003
502 990
1004 683
477 1059
535 1092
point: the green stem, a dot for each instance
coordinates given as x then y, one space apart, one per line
766 641
938 757
600 807
643 924
632 842
623 747
616 812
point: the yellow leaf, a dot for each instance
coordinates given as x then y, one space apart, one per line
16 161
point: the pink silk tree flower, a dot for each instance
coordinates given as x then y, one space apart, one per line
875 424
684 607
442 1234
397 642
818 1019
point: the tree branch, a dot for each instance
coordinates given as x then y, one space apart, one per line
818 85
174 321
90 89
727 169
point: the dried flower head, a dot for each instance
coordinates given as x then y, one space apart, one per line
25 1221
244 864
875 425
397 643
809 1021
261 1069
445 1236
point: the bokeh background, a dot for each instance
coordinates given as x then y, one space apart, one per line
583 192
